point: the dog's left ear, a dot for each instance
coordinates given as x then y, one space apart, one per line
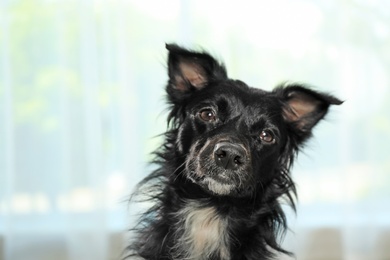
190 71
303 108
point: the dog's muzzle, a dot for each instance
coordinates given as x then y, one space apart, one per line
222 166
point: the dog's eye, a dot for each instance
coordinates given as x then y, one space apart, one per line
267 136
207 115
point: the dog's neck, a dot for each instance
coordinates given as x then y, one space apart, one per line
201 232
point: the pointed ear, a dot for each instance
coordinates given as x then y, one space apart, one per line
304 108
190 71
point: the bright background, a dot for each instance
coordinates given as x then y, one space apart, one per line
81 98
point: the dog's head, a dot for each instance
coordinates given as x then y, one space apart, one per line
234 139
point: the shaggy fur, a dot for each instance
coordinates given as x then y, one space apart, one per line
224 168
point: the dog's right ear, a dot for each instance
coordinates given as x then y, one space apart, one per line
190 71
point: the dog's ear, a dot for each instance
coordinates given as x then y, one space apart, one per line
189 71
303 107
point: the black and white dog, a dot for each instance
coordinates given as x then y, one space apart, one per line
224 168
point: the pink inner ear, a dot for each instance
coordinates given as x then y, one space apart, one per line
192 73
300 106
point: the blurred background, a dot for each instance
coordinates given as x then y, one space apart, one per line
82 101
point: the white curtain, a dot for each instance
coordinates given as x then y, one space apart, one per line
81 99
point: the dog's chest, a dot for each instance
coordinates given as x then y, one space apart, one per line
201 233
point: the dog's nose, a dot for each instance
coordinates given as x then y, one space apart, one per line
229 156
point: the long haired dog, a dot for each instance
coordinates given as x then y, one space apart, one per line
224 168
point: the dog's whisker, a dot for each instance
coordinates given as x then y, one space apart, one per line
177 174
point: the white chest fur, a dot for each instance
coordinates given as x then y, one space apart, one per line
201 232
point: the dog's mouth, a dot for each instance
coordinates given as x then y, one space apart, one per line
220 167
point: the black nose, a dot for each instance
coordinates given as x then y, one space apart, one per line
229 156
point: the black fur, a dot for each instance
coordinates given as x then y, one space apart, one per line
224 168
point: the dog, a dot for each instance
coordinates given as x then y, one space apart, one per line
224 168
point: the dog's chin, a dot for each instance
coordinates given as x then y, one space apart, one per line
222 185
218 185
